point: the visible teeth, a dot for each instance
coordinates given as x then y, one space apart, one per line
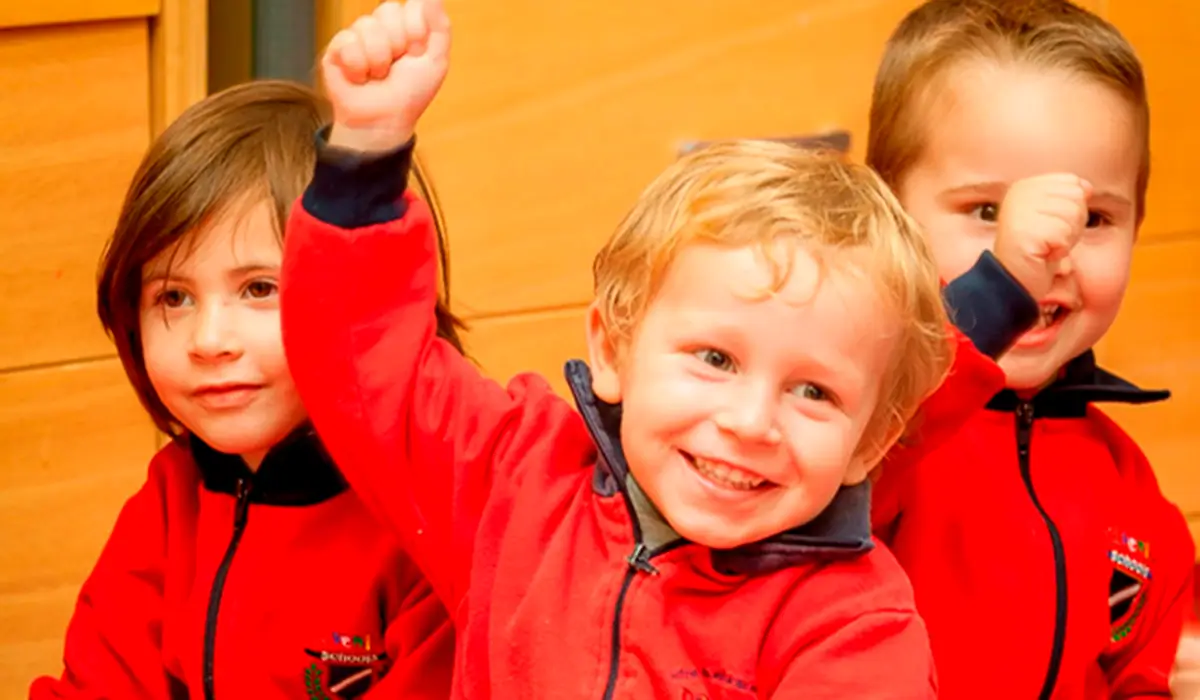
1048 314
727 475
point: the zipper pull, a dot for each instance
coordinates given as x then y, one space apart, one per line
1024 427
640 560
242 506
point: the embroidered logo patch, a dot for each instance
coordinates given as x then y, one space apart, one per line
1130 560
344 670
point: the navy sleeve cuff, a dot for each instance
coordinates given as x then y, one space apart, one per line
352 190
989 306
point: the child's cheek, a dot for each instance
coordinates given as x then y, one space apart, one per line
957 243
821 450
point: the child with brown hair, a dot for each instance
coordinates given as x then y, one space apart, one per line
244 567
765 322
1045 560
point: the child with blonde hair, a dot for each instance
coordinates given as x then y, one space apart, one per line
1045 560
765 322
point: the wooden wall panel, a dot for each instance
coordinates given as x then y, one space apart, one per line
15 13
334 15
179 59
76 444
555 116
1166 34
539 342
74 122
1156 343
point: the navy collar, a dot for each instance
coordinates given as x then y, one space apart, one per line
1082 383
842 530
296 472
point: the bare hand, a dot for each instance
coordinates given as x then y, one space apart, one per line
382 73
1040 221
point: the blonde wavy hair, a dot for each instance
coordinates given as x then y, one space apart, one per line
765 194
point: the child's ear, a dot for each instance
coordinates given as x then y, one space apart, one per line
856 472
602 355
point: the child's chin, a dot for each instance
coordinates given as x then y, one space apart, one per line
1030 373
712 533
236 442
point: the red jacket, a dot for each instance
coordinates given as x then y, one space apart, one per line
527 528
1045 560
217 582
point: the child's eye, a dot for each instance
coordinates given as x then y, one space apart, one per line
1096 219
986 211
716 359
261 289
811 392
171 298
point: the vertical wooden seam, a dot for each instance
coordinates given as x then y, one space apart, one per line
178 60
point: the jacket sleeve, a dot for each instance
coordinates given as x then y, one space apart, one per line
989 310
882 654
414 426
114 640
420 642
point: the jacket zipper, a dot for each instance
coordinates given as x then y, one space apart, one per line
1024 437
241 510
639 562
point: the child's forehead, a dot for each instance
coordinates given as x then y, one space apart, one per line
1004 122
239 237
789 272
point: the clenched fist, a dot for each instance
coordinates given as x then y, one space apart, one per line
383 71
1039 222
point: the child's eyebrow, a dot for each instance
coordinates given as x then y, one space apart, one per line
1112 199
162 276
239 271
251 268
996 188
977 188
841 376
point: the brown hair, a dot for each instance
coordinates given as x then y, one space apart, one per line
761 193
254 139
1050 34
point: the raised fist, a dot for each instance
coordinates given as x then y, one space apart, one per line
383 71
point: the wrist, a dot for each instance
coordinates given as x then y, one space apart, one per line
1020 268
376 138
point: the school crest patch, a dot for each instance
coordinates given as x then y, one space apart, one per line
345 669
1131 574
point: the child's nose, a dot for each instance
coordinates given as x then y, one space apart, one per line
1066 266
751 415
213 336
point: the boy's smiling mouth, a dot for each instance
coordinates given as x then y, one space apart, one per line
1051 316
1050 313
726 475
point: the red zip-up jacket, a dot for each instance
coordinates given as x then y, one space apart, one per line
221 583
530 527
1045 560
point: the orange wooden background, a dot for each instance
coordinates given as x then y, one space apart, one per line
554 117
